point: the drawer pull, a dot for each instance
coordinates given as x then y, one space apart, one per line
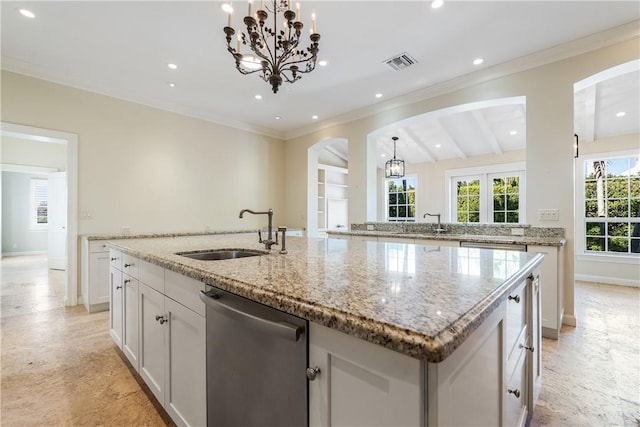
516 298
118 287
515 392
128 265
127 281
114 259
531 349
161 319
312 373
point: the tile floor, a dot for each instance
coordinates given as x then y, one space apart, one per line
60 367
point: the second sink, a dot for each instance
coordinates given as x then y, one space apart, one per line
220 254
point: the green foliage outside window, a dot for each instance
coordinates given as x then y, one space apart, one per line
401 204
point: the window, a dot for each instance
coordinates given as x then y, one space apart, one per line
612 205
39 195
493 194
401 199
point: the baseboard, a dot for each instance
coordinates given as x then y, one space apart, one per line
569 320
608 280
550 333
9 254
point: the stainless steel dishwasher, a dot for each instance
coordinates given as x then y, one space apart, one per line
256 363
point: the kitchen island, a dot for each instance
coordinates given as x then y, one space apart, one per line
429 314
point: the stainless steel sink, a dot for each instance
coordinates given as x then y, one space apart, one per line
221 254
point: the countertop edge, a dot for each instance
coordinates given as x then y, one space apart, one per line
534 241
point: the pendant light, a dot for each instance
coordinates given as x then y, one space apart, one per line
394 168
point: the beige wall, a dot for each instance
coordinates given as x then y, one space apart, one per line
549 151
16 151
149 169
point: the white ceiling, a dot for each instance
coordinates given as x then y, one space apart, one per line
122 48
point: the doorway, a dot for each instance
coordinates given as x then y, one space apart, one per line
67 225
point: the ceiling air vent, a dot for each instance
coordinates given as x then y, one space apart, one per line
400 62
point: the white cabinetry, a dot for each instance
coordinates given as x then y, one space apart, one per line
333 198
448 243
361 383
552 289
160 326
116 297
95 275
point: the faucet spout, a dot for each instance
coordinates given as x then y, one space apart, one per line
439 228
269 242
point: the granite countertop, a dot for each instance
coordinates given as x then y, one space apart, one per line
423 301
478 238
113 236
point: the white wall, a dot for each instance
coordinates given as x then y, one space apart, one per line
17 151
549 152
17 236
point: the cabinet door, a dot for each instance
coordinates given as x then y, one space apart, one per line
535 341
515 395
362 384
130 315
98 278
115 315
153 329
550 292
185 366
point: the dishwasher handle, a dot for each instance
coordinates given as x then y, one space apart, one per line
281 329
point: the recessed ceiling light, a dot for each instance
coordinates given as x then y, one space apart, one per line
277 117
172 66
621 114
478 61
383 155
227 7
314 117
437 4
322 63
171 84
513 132
438 145
378 95
258 96
27 13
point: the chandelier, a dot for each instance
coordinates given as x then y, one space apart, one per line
275 48
394 168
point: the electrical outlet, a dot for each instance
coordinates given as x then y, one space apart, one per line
549 214
207 228
517 231
125 229
370 227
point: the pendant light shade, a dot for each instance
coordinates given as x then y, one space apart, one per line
394 168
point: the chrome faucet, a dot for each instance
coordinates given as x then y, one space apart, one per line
439 229
269 242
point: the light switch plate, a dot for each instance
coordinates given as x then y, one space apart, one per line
549 214
125 229
86 214
369 227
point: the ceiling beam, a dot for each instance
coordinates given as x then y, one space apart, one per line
486 132
411 136
448 138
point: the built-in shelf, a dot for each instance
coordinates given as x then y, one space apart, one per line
333 193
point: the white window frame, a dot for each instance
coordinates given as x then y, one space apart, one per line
385 185
33 208
580 223
485 174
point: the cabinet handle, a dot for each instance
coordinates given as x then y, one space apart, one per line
531 349
113 259
118 287
312 373
127 281
515 392
161 319
516 298
128 265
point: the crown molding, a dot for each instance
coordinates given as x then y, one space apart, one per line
570 49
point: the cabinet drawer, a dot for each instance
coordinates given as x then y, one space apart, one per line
184 290
514 354
130 265
515 397
98 246
151 275
115 259
516 315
